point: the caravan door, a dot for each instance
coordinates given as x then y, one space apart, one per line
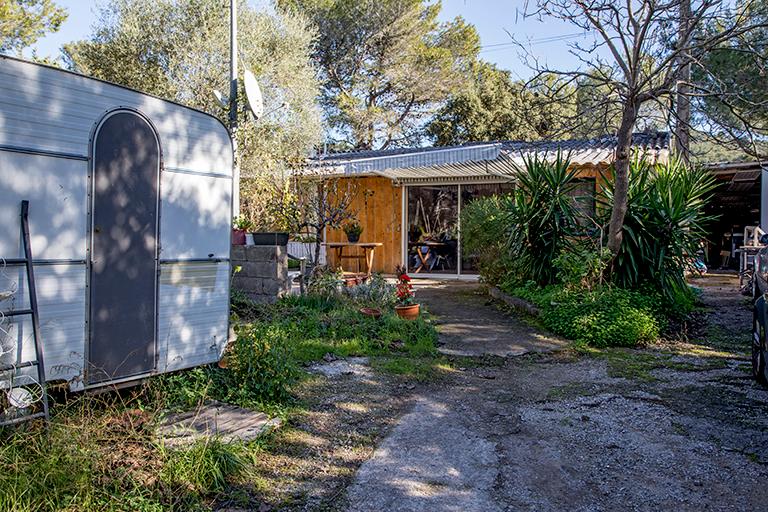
123 248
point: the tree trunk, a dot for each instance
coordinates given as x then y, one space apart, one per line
621 168
319 227
318 234
683 114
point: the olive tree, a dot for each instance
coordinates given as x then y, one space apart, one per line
179 50
23 22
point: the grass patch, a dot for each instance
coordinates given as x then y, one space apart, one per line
275 341
735 343
312 326
420 369
570 390
639 364
100 453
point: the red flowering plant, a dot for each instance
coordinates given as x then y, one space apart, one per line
404 289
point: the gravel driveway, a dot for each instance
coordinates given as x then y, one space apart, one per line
674 427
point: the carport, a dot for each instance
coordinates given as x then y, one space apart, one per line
740 201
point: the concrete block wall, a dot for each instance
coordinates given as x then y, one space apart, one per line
263 274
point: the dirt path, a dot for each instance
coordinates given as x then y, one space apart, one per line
469 327
679 427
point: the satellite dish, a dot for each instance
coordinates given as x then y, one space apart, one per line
253 95
221 98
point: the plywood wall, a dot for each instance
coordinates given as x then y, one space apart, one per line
377 206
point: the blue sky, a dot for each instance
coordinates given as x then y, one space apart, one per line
495 21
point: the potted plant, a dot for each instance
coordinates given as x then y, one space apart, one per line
406 306
353 230
240 226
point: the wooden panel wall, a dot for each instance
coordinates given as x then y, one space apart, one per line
597 172
377 206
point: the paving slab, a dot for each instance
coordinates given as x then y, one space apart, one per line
213 419
357 366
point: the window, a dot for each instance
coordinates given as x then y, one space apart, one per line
468 194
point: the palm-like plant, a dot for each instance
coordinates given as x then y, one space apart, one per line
542 218
664 226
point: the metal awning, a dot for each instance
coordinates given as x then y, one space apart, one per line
375 162
499 169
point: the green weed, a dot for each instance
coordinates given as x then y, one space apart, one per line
421 369
204 467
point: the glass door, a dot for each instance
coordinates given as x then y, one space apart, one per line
433 240
432 245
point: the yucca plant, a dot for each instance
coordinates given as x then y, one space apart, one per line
542 217
664 226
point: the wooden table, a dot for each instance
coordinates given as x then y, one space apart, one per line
369 249
424 256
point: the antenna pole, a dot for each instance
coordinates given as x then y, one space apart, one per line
233 65
233 102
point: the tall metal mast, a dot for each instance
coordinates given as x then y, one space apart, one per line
233 102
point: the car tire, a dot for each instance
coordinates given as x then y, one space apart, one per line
759 370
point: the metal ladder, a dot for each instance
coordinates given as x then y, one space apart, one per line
38 362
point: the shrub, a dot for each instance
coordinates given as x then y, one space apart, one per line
518 236
605 316
325 282
260 368
582 269
663 228
183 390
375 292
484 224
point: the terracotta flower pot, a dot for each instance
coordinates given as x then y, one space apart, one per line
409 312
238 236
372 312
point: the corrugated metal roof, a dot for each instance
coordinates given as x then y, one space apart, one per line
372 162
501 168
598 151
481 160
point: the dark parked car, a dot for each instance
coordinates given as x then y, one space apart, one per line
760 316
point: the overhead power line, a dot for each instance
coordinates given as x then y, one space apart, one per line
542 40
